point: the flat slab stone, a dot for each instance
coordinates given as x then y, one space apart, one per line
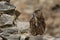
13 37
6 19
4 6
22 26
1 38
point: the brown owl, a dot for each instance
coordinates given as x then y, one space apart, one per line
37 23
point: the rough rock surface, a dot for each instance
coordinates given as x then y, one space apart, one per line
6 19
1 38
22 26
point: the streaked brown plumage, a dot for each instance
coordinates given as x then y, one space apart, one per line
37 23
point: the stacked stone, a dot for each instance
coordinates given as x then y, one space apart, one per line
7 17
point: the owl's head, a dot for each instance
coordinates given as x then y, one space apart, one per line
37 13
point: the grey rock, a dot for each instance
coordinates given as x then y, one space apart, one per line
1 38
5 34
13 37
23 26
9 30
4 6
10 36
57 38
42 37
6 19
38 37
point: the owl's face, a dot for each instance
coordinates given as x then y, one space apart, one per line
37 13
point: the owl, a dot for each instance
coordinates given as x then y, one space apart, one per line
37 23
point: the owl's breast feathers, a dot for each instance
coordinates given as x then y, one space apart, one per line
37 24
